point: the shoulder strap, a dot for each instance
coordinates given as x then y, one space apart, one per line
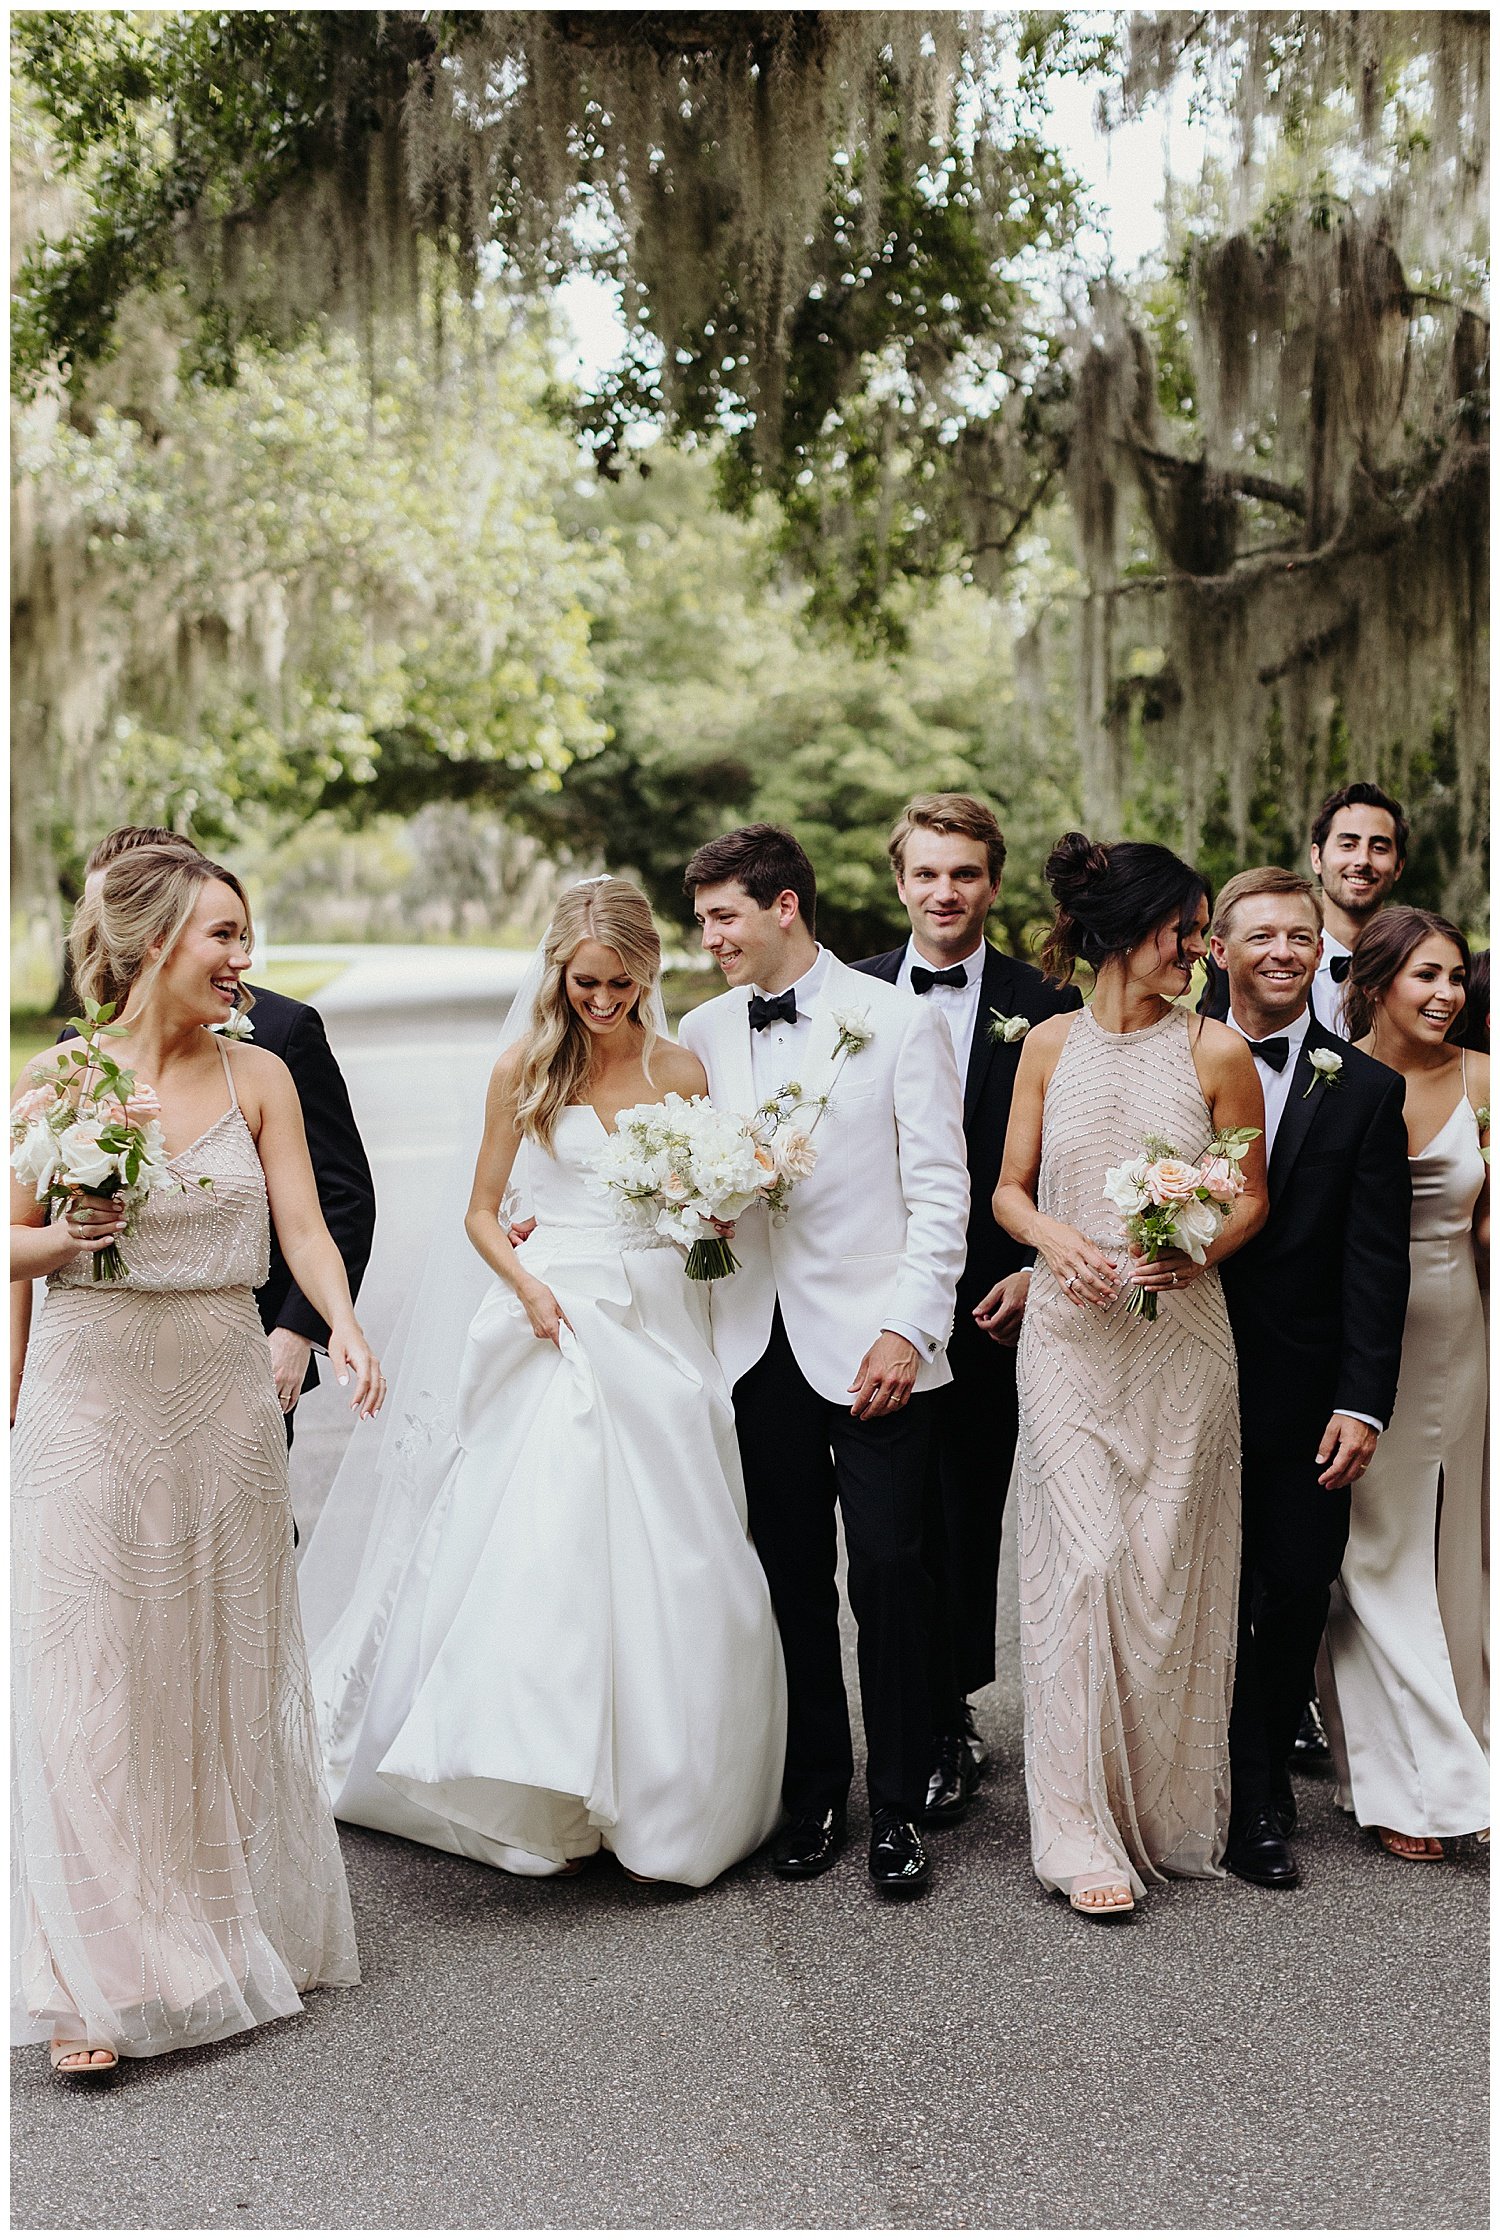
1463 1069
234 1102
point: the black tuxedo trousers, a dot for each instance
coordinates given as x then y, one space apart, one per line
1295 1532
974 1429
802 1456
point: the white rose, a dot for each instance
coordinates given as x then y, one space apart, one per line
1125 1187
1194 1226
35 1158
83 1163
1326 1062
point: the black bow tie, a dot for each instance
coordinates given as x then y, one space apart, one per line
763 1009
1338 967
951 976
1272 1051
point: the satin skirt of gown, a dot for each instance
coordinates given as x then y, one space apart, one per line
1128 1501
1406 1633
572 1645
176 1873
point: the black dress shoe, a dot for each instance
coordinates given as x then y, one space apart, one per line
899 1864
952 1782
1310 1751
1259 1852
809 1844
1283 1810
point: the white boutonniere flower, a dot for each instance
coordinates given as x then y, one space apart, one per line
240 1028
1326 1065
1482 1115
855 1032
1003 1029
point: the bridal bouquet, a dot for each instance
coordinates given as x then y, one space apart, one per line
685 1170
94 1128
1169 1204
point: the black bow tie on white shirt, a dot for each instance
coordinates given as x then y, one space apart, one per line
951 976
763 1009
1273 1051
1338 967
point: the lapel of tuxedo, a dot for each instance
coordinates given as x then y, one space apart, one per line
995 996
840 992
886 968
1303 1104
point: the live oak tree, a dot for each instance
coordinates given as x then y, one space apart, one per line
839 237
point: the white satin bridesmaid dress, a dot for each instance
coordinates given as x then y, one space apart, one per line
1406 1635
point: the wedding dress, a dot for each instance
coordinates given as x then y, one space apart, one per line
561 1639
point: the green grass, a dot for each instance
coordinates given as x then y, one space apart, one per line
31 1032
682 991
301 977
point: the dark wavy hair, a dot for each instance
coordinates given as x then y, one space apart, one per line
1471 1029
1361 795
1111 898
765 859
1391 936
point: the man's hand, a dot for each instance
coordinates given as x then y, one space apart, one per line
519 1231
884 1379
999 1312
290 1354
1346 1446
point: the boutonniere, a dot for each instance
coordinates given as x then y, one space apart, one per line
239 1028
1326 1065
1482 1115
1011 1029
855 1032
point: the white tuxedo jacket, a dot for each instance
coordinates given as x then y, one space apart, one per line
876 1233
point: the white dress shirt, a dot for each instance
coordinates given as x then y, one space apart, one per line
959 1006
778 1054
1276 1088
1327 994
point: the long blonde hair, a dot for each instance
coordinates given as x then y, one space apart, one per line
556 1058
145 897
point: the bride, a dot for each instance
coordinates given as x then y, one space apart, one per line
550 1634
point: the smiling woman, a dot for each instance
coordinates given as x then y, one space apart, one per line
160 1691
1406 1635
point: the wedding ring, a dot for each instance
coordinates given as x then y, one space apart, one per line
1068 1282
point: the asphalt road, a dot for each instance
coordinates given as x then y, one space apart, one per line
591 2054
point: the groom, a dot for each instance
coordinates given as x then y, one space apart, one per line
833 1330
1317 1303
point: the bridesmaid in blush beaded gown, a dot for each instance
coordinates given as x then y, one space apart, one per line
177 1874
1128 1485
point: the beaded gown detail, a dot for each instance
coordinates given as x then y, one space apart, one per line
176 1873
1128 1496
1406 1634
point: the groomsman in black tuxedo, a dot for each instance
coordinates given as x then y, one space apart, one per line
346 1188
948 853
1317 1302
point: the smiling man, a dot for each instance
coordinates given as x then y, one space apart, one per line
1317 1303
1358 853
833 1332
948 852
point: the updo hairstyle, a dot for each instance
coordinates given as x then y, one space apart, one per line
145 898
1380 953
1111 898
556 1059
